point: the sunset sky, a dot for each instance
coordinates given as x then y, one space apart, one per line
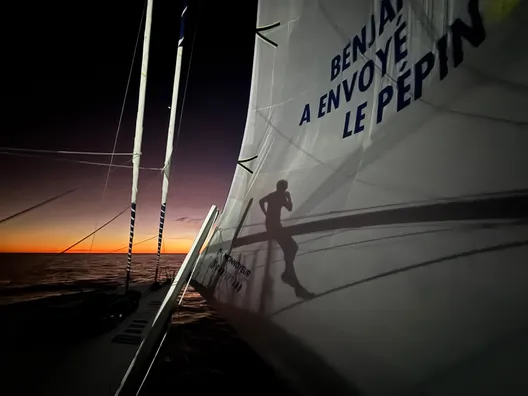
68 64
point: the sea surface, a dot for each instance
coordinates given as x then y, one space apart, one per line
28 276
201 350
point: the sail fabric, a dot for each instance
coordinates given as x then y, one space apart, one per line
401 129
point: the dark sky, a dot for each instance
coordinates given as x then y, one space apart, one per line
66 66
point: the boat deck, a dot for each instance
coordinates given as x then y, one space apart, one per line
94 366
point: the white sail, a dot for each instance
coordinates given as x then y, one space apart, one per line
399 263
170 139
139 135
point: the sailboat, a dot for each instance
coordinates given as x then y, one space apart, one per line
129 323
374 238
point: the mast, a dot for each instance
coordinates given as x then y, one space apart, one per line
170 139
138 136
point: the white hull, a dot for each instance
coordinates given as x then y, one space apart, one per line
410 232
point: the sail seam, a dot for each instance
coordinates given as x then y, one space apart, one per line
116 138
274 105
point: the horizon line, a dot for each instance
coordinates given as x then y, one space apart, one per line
84 252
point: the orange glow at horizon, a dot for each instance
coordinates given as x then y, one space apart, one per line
62 223
55 238
170 247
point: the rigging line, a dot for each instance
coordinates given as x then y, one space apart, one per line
176 140
120 120
100 228
137 243
124 165
42 203
175 145
37 205
65 152
393 80
90 234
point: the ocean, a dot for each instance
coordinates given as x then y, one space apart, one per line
28 276
200 348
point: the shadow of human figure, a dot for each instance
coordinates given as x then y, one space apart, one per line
275 202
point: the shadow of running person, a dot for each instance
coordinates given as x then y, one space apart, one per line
275 202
